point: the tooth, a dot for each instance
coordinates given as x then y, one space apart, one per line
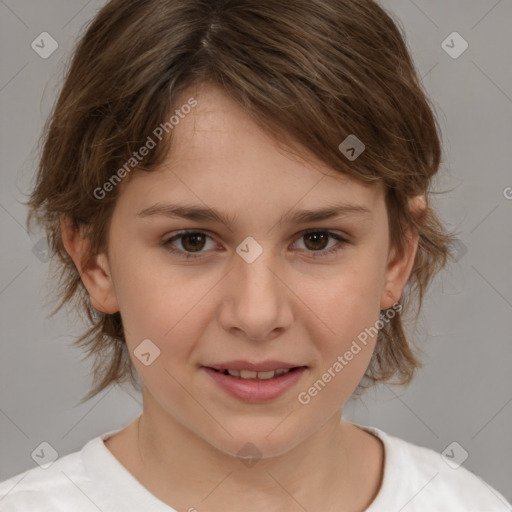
266 375
248 374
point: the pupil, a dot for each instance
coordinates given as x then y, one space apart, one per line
194 237
316 237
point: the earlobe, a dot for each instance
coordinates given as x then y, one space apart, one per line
95 273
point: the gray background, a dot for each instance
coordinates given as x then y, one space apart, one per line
463 394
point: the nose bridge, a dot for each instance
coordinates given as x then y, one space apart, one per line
255 266
258 296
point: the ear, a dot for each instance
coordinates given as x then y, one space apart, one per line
95 273
400 264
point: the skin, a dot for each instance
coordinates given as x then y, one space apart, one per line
286 305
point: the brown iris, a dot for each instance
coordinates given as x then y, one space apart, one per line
317 238
197 241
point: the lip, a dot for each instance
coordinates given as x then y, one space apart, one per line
263 366
253 390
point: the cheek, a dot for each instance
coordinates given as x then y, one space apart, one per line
349 308
344 356
149 297
349 301
169 310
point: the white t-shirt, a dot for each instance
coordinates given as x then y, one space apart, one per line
416 479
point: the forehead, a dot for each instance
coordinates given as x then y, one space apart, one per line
219 156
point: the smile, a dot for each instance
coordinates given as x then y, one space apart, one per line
255 386
248 374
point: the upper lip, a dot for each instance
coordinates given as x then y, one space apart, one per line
263 366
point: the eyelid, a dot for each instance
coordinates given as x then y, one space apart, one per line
176 234
303 232
341 234
342 240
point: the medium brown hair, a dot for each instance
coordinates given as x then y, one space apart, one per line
310 72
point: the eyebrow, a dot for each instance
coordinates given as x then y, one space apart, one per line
204 213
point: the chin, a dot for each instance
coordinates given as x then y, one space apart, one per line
257 440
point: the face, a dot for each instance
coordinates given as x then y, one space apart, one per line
261 290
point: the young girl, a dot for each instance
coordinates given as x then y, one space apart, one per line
237 193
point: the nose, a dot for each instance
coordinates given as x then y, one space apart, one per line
257 303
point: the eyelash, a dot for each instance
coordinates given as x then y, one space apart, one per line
316 254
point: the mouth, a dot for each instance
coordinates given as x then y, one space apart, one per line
255 383
256 375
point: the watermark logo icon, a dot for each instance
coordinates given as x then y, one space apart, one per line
454 45
454 455
459 249
45 455
41 250
146 352
44 45
249 249
249 455
352 147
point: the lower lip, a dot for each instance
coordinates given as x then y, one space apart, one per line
253 390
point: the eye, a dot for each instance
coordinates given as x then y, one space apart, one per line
193 242
316 240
